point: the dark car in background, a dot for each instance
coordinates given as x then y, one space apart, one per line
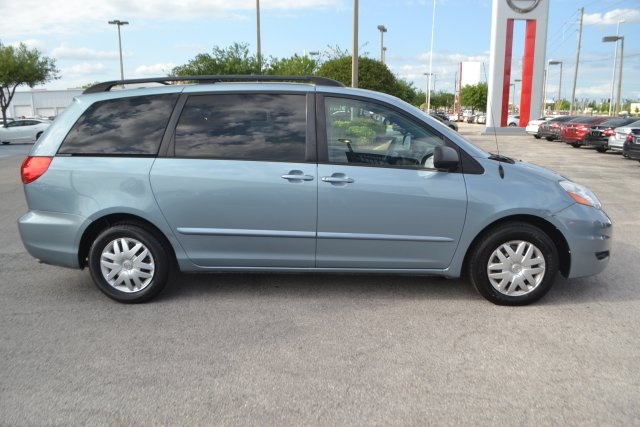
550 129
445 120
574 131
631 147
598 135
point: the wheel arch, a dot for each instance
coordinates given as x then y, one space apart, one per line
101 224
548 228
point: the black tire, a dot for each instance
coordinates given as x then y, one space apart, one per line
537 136
575 145
601 149
520 288
138 275
549 138
512 125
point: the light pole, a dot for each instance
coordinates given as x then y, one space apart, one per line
613 73
119 24
354 58
259 48
429 88
515 82
433 27
513 97
543 111
559 100
615 39
382 30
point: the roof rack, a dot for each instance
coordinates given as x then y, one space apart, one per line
107 86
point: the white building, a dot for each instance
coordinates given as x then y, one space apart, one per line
41 103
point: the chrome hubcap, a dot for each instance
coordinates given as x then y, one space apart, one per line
516 268
127 265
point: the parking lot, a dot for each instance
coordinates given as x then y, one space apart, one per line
327 349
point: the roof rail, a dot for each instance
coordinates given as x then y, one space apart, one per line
107 86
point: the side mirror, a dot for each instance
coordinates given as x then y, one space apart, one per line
445 158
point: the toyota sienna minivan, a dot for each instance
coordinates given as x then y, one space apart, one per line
293 174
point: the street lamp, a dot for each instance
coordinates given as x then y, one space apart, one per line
559 100
515 82
354 57
119 24
384 54
615 39
429 88
433 27
613 72
258 46
382 30
513 97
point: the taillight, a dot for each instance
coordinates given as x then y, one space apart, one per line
629 138
34 167
609 132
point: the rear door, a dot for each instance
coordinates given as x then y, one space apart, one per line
239 188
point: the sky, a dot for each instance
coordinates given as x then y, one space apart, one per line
165 33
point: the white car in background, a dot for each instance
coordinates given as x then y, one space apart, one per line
533 125
616 141
513 120
23 130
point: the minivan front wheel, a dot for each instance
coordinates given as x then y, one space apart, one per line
128 263
514 264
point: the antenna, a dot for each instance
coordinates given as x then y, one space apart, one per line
493 126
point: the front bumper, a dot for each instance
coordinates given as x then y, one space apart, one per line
588 232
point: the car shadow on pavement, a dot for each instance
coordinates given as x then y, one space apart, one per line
324 286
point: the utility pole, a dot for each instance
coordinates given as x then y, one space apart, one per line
575 74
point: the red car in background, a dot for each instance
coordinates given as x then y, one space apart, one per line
573 131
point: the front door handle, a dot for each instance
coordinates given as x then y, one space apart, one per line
297 176
337 178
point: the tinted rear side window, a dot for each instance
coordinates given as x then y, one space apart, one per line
264 127
124 126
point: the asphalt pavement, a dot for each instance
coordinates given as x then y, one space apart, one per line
327 350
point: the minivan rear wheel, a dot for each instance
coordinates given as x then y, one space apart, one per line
128 263
514 264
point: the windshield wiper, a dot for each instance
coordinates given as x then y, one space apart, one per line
501 158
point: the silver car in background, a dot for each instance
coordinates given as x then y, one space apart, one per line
616 141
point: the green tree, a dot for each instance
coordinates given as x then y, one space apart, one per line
441 99
372 74
22 66
295 66
235 59
475 96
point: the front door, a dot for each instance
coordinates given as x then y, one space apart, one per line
381 204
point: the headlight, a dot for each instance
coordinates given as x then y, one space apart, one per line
581 194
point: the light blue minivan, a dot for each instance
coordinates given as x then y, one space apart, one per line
293 174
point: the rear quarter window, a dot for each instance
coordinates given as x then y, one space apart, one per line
123 126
